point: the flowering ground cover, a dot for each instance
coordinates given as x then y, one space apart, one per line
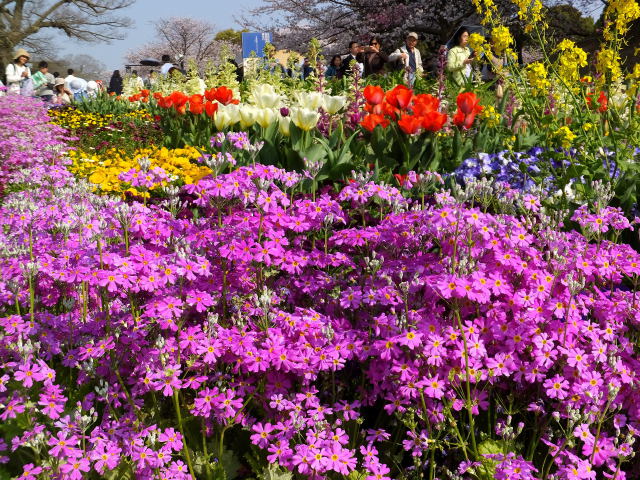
239 328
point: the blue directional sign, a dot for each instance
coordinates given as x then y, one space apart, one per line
254 42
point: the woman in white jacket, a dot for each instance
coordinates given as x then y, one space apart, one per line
17 71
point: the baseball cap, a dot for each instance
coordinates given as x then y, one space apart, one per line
412 35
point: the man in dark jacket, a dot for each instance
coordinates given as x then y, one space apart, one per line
354 55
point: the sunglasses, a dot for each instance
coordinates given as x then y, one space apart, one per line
374 43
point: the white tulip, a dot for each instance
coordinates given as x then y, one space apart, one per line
310 100
334 103
283 126
265 96
248 115
304 118
266 116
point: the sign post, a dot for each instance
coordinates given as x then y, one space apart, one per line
253 47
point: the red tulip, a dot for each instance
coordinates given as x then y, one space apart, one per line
434 121
211 108
401 178
468 103
196 108
400 97
410 124
425 103
178 98
373 95
462 120
144 92
370 122
224 95
210 94
196 98
604 102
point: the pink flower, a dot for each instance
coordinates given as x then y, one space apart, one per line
556 387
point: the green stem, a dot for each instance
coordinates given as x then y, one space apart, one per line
467 385
185 449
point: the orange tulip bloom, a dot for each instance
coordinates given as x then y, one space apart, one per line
224 95
196 98
210 94
179 99
196 108
144 92
373 95
157 95
468 103
370 122
410 124
434 121
425 103
211 108
400 97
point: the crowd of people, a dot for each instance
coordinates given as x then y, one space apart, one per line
368 59
371 60
49 87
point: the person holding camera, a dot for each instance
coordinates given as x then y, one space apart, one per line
19 75
409 57
43 82
374 59
460 58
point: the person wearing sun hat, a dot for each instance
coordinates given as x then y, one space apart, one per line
410 58
17 72
78 87
61 96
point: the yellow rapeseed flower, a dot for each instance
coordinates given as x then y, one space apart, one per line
565 136
538 79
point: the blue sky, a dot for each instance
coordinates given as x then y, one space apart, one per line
220 13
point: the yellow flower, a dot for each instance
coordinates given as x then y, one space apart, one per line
608 64
103 170
491 116
501 40
487 11
570 59
565 136
530 13
537 75
618 16
478 44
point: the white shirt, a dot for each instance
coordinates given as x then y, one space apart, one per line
164 69
14 77
67 80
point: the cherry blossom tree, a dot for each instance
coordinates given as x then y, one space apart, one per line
27 23
336 22
185 40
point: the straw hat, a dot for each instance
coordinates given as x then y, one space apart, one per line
20 53
59 81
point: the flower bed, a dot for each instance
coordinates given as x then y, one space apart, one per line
246 328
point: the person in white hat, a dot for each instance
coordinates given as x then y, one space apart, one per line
17 72
61 96
92 88
410 58
78 87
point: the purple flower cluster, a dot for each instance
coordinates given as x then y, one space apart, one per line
26 137
525 171
353 331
